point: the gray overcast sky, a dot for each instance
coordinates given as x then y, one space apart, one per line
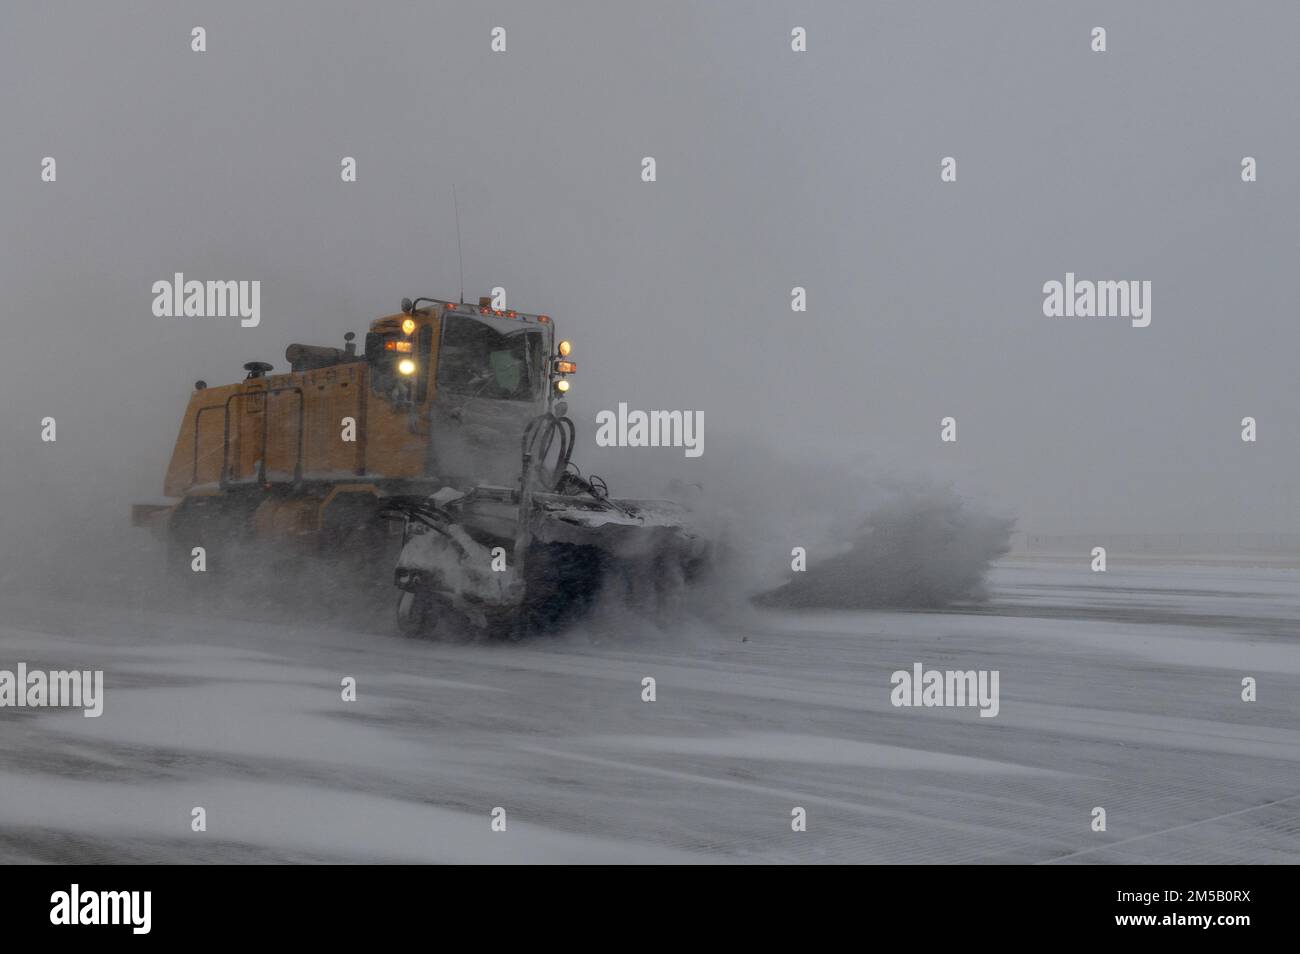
775 169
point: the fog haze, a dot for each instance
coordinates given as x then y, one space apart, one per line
775 169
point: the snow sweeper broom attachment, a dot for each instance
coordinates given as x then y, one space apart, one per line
505 561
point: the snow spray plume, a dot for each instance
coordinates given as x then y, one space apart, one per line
924 547
907 543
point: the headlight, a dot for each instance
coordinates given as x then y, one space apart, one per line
562 385
406 366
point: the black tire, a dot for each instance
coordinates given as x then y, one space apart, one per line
562 581
198 523
415 615
505 624
361 553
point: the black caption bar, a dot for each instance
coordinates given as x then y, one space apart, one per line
140 905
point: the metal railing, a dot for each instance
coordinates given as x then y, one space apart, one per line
266 393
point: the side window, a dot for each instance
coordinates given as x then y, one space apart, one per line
423 346
381 375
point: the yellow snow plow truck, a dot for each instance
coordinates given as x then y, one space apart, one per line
438 458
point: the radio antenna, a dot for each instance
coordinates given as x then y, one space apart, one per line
460 255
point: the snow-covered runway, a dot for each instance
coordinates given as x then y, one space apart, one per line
1120 690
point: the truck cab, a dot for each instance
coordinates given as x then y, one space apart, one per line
472 378
441 394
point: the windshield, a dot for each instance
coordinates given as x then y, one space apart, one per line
479 360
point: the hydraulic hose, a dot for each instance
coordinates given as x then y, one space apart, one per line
539 436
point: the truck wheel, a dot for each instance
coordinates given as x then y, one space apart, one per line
506 624
182 580
414 612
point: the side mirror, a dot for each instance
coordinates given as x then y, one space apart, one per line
407 305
